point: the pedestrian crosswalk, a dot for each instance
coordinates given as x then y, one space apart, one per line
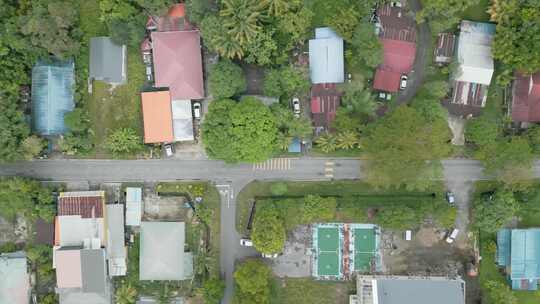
273 164
329 169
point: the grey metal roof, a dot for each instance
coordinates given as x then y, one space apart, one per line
116 249
326 57
94 274
108 60
71 296
52 95
420 291
14 278
162 251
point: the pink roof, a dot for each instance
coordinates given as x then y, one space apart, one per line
526 98
178 63
386 80
325 100
68 268
398 55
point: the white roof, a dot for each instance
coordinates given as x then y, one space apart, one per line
182 120
75 230
474 52
326 57
133 206
14 278
116 249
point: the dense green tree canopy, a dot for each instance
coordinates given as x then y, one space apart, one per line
24 197
252 278
226 80
443 14
366 45
404 148
482 131
244 131
268 230
517 41
500 293
285 81
13 128
53 25
213 290
490 215
358 99
509 160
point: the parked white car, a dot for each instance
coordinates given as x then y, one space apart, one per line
169 149
452 236
403 82
246 242
197 110
270 255
296 107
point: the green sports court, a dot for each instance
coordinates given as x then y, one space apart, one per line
328 248
364 249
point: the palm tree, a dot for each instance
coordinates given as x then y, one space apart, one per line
327 143
241 19
276 7
347 140
228 47
126 294
283 141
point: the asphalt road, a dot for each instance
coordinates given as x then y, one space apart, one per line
423 45
229 179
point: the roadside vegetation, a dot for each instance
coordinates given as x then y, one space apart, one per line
281 206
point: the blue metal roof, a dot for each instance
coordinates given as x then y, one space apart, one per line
52 96
503 247
525 254
326 57
295 146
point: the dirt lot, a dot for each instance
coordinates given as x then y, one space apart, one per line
427 254
295 262
169 208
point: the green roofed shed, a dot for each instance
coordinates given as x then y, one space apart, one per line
52 96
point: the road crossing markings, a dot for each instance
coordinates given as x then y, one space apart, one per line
273 164
329 169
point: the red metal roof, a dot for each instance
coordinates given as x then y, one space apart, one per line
325 100
526 98
386 80
398 55
85 206
178 63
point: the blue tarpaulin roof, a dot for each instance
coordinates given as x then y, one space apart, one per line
326 57
52 96
295 146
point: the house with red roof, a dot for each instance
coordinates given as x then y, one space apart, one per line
526 98
397 33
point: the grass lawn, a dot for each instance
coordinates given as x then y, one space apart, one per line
477 12
315 151
308 291
353 198
111 109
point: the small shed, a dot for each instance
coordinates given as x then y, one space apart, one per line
133 206
52 96
295 146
